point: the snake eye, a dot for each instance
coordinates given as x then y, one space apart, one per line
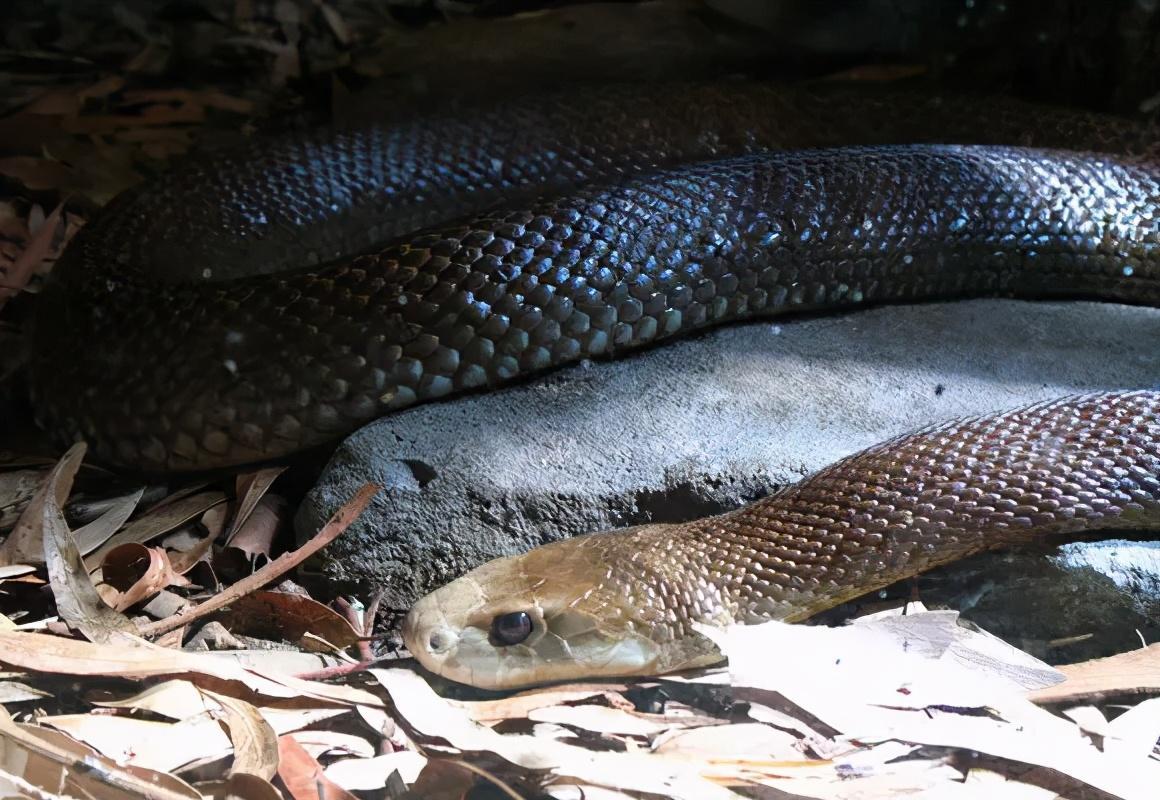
513 628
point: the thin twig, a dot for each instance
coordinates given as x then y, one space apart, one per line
275 569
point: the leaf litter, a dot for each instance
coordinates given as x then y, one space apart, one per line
896 703
887 706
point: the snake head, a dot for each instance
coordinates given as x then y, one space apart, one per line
572 609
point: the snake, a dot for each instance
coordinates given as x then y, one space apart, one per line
250 305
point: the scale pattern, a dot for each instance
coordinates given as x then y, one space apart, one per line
626 602
165 343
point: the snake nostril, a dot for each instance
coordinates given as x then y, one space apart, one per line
440 641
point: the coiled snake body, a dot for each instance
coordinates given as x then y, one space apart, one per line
217 316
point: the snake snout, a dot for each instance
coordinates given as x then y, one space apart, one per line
428 636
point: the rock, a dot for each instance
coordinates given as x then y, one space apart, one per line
696 427
1082 600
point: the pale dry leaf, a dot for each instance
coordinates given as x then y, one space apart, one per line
997 786
741 740
583 791
893 694
91 536
924 779
16 489
25 544
601 719
429 714
182 561
167 746
137 658
869 670
175 699
372 774
937 634
326 742
15 571
290 717
155 522
518 706
250 489
17 692
160 746
254 741
1089 719
1134 733
77 601
48 760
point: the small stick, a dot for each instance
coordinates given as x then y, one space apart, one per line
275 569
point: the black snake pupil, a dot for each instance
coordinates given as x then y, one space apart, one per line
513 628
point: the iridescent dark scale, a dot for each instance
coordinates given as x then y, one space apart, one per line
163 371
1086 463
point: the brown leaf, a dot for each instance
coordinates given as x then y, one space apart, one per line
444 778
1125 673
38 173
255 743
137 572
281 615
303 776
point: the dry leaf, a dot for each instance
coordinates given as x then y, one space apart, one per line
433 716
1134 733
518 706
158 520
371 774
97 532
160 746
25 544
319 743
601 719
176 699
77 601
137 573
290 617
136 658
334 527
1137 671
304 777
254 741
873 687
751 740
250 488
48 761
16 490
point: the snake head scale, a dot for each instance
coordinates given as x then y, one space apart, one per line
560 612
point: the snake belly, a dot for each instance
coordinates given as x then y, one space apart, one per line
238 309
627 602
